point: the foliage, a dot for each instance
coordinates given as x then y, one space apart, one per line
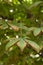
21 32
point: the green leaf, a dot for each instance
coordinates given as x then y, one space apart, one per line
4 26
36 31
35 4
11 43
31 28
34 45
21 44
42 29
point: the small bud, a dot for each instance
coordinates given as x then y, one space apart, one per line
17 36
11 49
6 20
42 11
5 34
10 0
0 43
37 20
11 10
37 55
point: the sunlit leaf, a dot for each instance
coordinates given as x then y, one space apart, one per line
21 44
35 4
36 31
31 28
34 45
42 29
14 27
11 43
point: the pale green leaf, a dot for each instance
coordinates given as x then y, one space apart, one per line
34 45
11 43
35 4
21 44
36 31
42 29
31 28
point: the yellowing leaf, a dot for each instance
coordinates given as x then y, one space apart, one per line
21 44
34 45
14 27
36 31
